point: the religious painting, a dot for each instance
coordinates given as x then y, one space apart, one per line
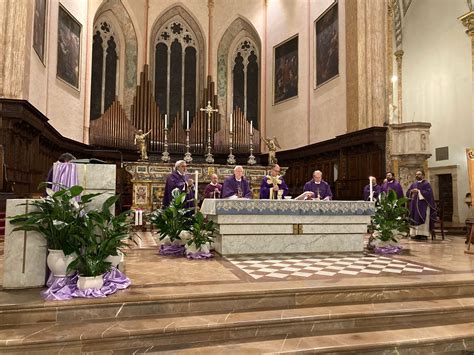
69 48
285 70
327 45
39 28
141 195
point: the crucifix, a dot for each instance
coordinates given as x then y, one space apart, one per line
209 111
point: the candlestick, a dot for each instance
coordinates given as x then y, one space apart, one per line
231 158
187 119
251 160
187 156
165 156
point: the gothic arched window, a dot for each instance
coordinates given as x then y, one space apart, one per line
104 69
245 83
176 69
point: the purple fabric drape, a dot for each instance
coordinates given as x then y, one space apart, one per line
64 174
65 288
173 250
199 255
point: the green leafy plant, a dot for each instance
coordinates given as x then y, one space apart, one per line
202 231
390 221
172 220
102 234
58 217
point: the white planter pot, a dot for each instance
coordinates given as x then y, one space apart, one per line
167 241
185 236
85 282
58 262
192 248
115 259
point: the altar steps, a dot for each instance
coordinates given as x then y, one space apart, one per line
335 318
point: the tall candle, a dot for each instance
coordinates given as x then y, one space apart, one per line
251 127
371 189
196 185
136 217
187 119
230 123
166 121
140 217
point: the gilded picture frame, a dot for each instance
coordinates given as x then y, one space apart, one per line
285 70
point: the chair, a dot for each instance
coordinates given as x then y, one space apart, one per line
439 219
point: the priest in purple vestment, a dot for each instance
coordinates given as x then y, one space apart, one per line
178 179
273 186
213 189
320 188
236 186
422 207
375 190
392 184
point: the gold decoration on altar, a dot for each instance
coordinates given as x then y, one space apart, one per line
272 145
275 181
140 142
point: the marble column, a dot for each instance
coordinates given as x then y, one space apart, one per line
399 56
15 22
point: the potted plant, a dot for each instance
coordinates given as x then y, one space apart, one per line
172 220
389 224
57 217
102 235
202 235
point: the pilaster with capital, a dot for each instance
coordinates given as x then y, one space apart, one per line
399 57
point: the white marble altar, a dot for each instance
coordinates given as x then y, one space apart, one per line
288 226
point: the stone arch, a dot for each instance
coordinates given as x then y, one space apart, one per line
114 9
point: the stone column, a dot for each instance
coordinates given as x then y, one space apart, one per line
399 56
388 145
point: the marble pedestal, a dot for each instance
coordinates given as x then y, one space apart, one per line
288 226
97 178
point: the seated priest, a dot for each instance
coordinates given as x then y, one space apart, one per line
236 186
320 189
273 186
213 189
375 190
178 179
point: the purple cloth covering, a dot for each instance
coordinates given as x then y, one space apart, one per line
231 187
64 174
265 188
367 192
65 288
322 188
391 249
199 255
210 191
392 185
418 208
174 250
176 180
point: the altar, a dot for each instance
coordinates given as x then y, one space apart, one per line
288 226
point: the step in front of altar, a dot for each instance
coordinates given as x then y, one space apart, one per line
269 227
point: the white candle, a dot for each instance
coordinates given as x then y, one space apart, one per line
136 217
230 123
196 185
140 217
251 127
166 121
187 119
371 189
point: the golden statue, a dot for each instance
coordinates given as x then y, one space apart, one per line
272 145
140 142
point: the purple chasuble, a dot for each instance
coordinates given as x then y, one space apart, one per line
213 191
178 181
367 192
266 186
64 174
418 208
232 187
392 185
322 189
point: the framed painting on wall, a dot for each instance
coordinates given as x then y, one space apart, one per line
285 70
327 45
39 28
69 48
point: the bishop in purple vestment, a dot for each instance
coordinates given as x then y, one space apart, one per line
422 207
375 189
178 179
319 187
273 184
213 189
236 186
392 184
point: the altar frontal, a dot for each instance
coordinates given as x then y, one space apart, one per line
288 226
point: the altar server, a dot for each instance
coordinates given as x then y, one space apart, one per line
320 188
236 186
213 189
273 186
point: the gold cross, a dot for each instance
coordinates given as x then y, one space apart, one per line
208 109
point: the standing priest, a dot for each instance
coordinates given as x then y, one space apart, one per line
236 186
179 180
273 186
422 207
392 184
320 188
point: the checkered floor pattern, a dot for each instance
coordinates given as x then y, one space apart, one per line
284 266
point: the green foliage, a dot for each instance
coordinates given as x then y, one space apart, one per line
391 218
172 220
202 231
58 217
